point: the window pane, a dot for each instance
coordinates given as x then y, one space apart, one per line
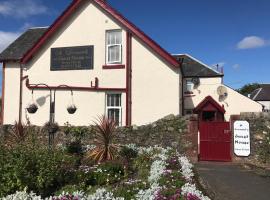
114 114
190 86
118 37
114 100
114 37
114 53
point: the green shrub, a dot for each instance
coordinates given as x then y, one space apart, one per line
129 190
127 153
37 169
74 147
78 133
109 172
264 151
142 165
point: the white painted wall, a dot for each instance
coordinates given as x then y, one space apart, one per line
234 104
86 27
155 86
12 88
266 104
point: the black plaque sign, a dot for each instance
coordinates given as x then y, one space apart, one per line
72 58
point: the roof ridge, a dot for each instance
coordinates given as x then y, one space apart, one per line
202 63
259 90
114 14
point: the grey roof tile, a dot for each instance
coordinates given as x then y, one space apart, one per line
194 68
17 49
262 93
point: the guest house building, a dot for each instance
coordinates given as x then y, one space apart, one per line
93 61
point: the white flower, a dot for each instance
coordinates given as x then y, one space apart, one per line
148 194
189 188
102 194
22 196
186 168
132 146
157 169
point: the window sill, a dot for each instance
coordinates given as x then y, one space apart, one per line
118 66
188 92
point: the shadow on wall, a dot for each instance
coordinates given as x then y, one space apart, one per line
42 100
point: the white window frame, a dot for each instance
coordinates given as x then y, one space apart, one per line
119 61
114 107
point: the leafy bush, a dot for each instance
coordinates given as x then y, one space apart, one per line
37 169
19 133
128 190
105 149
74 147
109 172
77 133
142 165
264 150
128 153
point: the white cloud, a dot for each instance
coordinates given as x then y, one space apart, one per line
6 38
251 42
22 8
236 66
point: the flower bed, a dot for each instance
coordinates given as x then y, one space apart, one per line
154 173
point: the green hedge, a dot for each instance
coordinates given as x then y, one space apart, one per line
38 169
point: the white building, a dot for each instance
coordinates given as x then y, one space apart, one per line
201 81
262 95
111 66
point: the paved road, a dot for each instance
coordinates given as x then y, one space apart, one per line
228 181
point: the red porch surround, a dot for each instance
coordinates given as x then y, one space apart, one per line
209 104
209 110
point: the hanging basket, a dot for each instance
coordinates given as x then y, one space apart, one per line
32 108
71 109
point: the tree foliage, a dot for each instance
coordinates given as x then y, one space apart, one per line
248 88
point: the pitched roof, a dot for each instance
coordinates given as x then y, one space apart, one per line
17 49
191 67
262 93
206 101
114 14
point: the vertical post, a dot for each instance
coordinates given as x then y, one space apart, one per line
128 78
51 119
3 93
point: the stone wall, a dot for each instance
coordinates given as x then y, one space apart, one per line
260 138
168 131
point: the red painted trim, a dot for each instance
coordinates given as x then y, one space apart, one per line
128 78
113 67
33 86
209 99
116 15
3 93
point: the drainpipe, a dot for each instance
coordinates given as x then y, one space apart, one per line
21 93
182 85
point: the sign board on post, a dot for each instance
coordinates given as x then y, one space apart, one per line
241 138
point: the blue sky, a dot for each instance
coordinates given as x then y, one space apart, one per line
235 34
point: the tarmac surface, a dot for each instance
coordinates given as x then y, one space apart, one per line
227 181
